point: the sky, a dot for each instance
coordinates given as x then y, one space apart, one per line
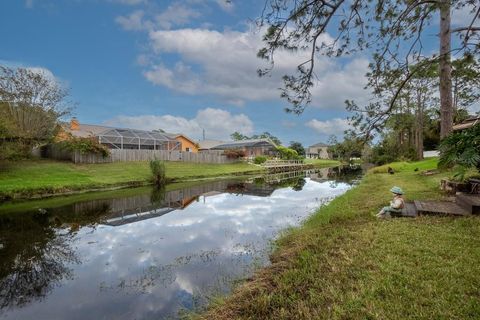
182 66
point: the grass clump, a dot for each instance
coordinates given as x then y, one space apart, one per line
159 176
343 263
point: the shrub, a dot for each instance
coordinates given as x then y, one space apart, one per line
85 145
234 153
287 153
158 172
14 150
259 159
461 149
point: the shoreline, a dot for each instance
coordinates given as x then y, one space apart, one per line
48 191
37 194
342 262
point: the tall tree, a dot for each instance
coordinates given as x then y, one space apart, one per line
35 88
236 136
446 106
297 146
350 147
395 31
267 135
31 103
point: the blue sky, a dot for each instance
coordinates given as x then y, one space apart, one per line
182 66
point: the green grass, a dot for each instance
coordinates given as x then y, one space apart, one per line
343 263
23 205
323 162
46 176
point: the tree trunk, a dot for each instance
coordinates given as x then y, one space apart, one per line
419 126
446 108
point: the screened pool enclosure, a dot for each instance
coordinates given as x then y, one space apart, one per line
116 138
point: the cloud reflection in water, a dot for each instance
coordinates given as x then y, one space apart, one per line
154 267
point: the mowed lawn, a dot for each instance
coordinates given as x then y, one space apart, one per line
343 263
322 162
50 175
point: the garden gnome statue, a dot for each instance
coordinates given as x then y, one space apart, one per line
396 205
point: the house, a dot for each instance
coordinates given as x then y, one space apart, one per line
252 147
124 138
188 145
473 121
317 151
205 145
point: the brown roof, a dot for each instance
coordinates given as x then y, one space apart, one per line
467 124
208 144
176 135
86 130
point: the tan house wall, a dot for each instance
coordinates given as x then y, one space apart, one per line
318 152
187 143
62 135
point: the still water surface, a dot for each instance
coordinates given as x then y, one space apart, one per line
149 254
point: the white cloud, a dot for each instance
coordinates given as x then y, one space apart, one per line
218 123
175 14
327 127
224 64
225 5
143 60
464 16
339 83
134 21
130 2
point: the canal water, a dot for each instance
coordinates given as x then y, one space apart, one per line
149 254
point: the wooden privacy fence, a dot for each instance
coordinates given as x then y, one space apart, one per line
126 155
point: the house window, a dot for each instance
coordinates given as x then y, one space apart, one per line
188 150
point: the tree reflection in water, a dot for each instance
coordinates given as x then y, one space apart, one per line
33 258
36 250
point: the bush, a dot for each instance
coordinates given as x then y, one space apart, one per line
158 172
259 159
14 150
234 153
287 153
85 145
461 149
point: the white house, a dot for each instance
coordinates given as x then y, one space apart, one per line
318 151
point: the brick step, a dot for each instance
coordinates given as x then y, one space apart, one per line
440 208
469 202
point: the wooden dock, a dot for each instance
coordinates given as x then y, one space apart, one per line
469 202
285 165
440 208
464 204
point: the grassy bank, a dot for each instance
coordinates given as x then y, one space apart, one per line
23 205
344 264
46 176
37 177
323 162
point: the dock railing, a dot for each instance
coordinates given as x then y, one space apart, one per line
282 163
